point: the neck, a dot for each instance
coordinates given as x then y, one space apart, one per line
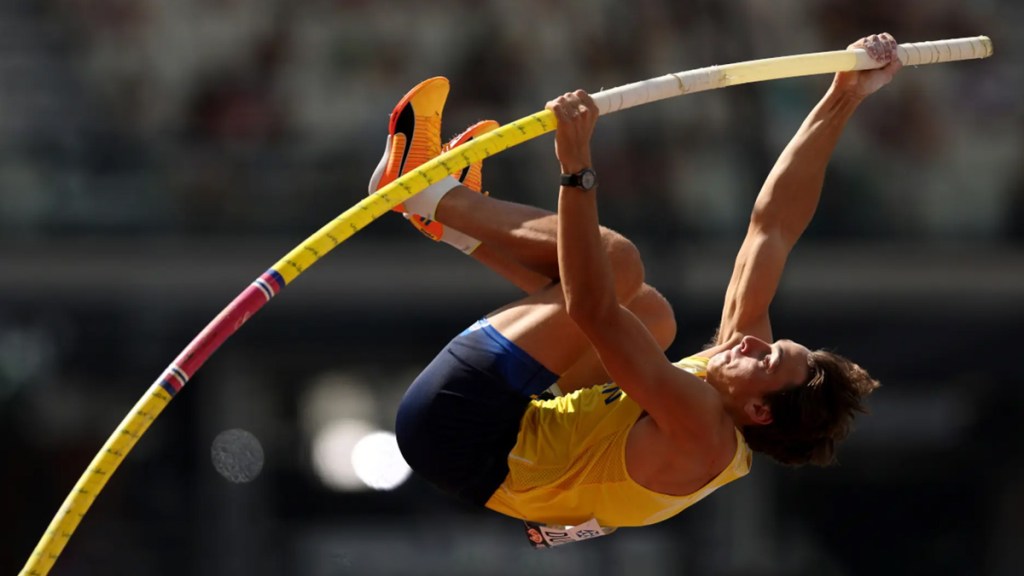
736 414
732 408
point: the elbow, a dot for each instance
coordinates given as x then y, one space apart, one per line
764 217
771 230
770 223
589 311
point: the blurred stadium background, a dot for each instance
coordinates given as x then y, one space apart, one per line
157 156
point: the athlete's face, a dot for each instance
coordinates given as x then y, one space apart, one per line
754 368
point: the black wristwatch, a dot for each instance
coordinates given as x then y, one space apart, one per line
585 179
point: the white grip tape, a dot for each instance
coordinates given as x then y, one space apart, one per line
660 88
945 50
671 85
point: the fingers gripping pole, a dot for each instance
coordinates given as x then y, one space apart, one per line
268 285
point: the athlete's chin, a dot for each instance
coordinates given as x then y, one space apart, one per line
715 366
718 360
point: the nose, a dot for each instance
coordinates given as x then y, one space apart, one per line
752 345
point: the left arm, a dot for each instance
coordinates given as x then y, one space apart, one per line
789 197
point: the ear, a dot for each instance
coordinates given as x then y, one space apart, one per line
758 412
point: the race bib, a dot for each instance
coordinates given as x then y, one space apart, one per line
549 536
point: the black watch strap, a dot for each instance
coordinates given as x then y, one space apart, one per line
585 179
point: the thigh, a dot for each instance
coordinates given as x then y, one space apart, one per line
649 307
540 326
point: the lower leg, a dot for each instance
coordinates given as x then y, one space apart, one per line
525 279
524 234
519 238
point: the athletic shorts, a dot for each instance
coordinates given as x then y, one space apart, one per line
460 418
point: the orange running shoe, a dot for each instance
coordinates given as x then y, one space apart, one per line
470 177
414 133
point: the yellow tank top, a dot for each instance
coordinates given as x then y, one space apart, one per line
568 465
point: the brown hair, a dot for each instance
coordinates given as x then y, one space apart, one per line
809 421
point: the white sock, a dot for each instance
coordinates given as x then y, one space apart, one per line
425 204
462 242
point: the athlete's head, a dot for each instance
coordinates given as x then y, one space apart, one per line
793 404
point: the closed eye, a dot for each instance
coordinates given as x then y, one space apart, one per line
779 356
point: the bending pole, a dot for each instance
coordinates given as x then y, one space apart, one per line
268 285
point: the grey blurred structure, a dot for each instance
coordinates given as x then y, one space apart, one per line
156 156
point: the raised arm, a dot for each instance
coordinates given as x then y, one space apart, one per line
683 407
789 197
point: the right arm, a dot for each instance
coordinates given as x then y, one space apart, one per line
683 407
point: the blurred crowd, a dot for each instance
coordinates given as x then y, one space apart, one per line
255 116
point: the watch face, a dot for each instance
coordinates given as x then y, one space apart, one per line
588 179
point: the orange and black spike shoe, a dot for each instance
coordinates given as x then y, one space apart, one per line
414 133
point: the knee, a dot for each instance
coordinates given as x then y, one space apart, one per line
655 311
626 263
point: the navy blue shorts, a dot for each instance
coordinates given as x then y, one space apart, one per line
460 418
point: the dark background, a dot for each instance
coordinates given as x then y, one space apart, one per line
155 157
